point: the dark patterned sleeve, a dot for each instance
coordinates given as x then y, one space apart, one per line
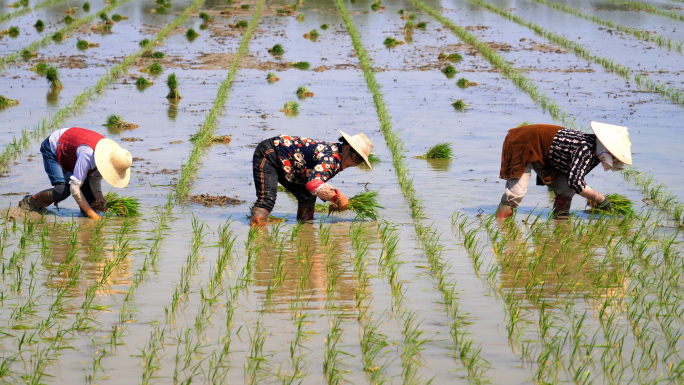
580 165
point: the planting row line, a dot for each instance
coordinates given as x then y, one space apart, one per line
17 146
639 6
25 9
428 237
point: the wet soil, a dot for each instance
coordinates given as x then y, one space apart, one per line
210 200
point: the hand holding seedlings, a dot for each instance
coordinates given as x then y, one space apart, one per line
78 160
540 145
305 166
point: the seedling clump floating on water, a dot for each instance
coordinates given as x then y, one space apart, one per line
438 151
154 68
313 35
465 83
239 24
421 25
39 25
191 34
302 65
141 82
449 71
276 50
205 17
408 28
104 18
377 5
116 17
300 17
223 139
12 31
452 57
459 105
5 102
244 6
83 44
172 83
391 42
27 54
53 78
291 108
303 92
41 68
619 205
144 42
119 206
116 123
68 19
58 36
158 55
324 26
86 7
271 77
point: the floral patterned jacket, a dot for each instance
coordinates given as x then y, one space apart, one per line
310 162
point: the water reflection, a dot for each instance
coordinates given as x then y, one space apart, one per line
52 97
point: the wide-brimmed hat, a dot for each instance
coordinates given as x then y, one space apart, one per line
615 139
113 162
361 144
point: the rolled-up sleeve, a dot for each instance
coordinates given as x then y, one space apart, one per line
580 166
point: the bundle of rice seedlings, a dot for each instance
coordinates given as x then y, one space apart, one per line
438 151
144 42
525 123
302 65
303 93
158 55
364 205
223 139
68 19
391 42
172 83
13 31
116 17
271 77
449 71
205 17
459 105
373 159
53 78
239 24
86 7
122 206
58 36
377 5
41 68
312 35
141 82
116 123
154 68
408 28
291 108
39 25
300 17
452 57
191 34
104 18
4 102
324 26
465 83
421 25
84 44
619 205
244 6
276 50
27 54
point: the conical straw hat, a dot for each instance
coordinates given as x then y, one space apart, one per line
615 139
361 144
113 162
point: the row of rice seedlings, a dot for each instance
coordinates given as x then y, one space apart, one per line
17 146
656 194
518 78
639 6
669 92
638 33
25 9
429 239
48 38
206 131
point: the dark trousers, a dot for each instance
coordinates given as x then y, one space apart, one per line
268 172
61 190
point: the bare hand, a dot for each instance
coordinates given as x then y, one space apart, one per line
342 203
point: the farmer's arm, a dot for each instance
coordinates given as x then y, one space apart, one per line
319 187
95 181
81 169
581 164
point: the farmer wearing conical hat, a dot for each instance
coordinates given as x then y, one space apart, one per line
76 160
304 166
561 158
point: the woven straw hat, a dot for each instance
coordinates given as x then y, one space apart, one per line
361 144
113 162
615 139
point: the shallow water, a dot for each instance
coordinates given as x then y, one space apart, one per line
545 272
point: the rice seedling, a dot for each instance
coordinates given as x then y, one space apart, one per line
465 83
12 31
324 26
191 34
449 71
158 55
459 105
239 24
205 17
438 151
83 44
373 159
41 68
271 77
117 18
300 17
408 28
619 205
105 18
311 35
116 123
421 25
68 19
57 36
39 25
303 92
301 65
172 84
144 43
244 7
391 42
377 5
365 205
154 68
276 50
142 82
291 108
5 102
452 57
52 78
27 54
86 7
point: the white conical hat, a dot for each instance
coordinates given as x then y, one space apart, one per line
361 144
113 162
615 139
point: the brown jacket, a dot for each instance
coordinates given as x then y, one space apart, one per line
527 144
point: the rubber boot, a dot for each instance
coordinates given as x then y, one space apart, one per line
305 211
504 211
259 216
561 207
37 202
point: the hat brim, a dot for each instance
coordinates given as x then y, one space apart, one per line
103 152
616 143
356 148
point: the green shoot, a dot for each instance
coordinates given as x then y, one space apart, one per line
172 83
271 77
122 206
276 50
391 42
291 108
53 78
438 151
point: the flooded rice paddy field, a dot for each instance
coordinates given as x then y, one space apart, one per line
437 290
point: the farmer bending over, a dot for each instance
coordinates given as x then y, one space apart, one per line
303 166
76 160
561 158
